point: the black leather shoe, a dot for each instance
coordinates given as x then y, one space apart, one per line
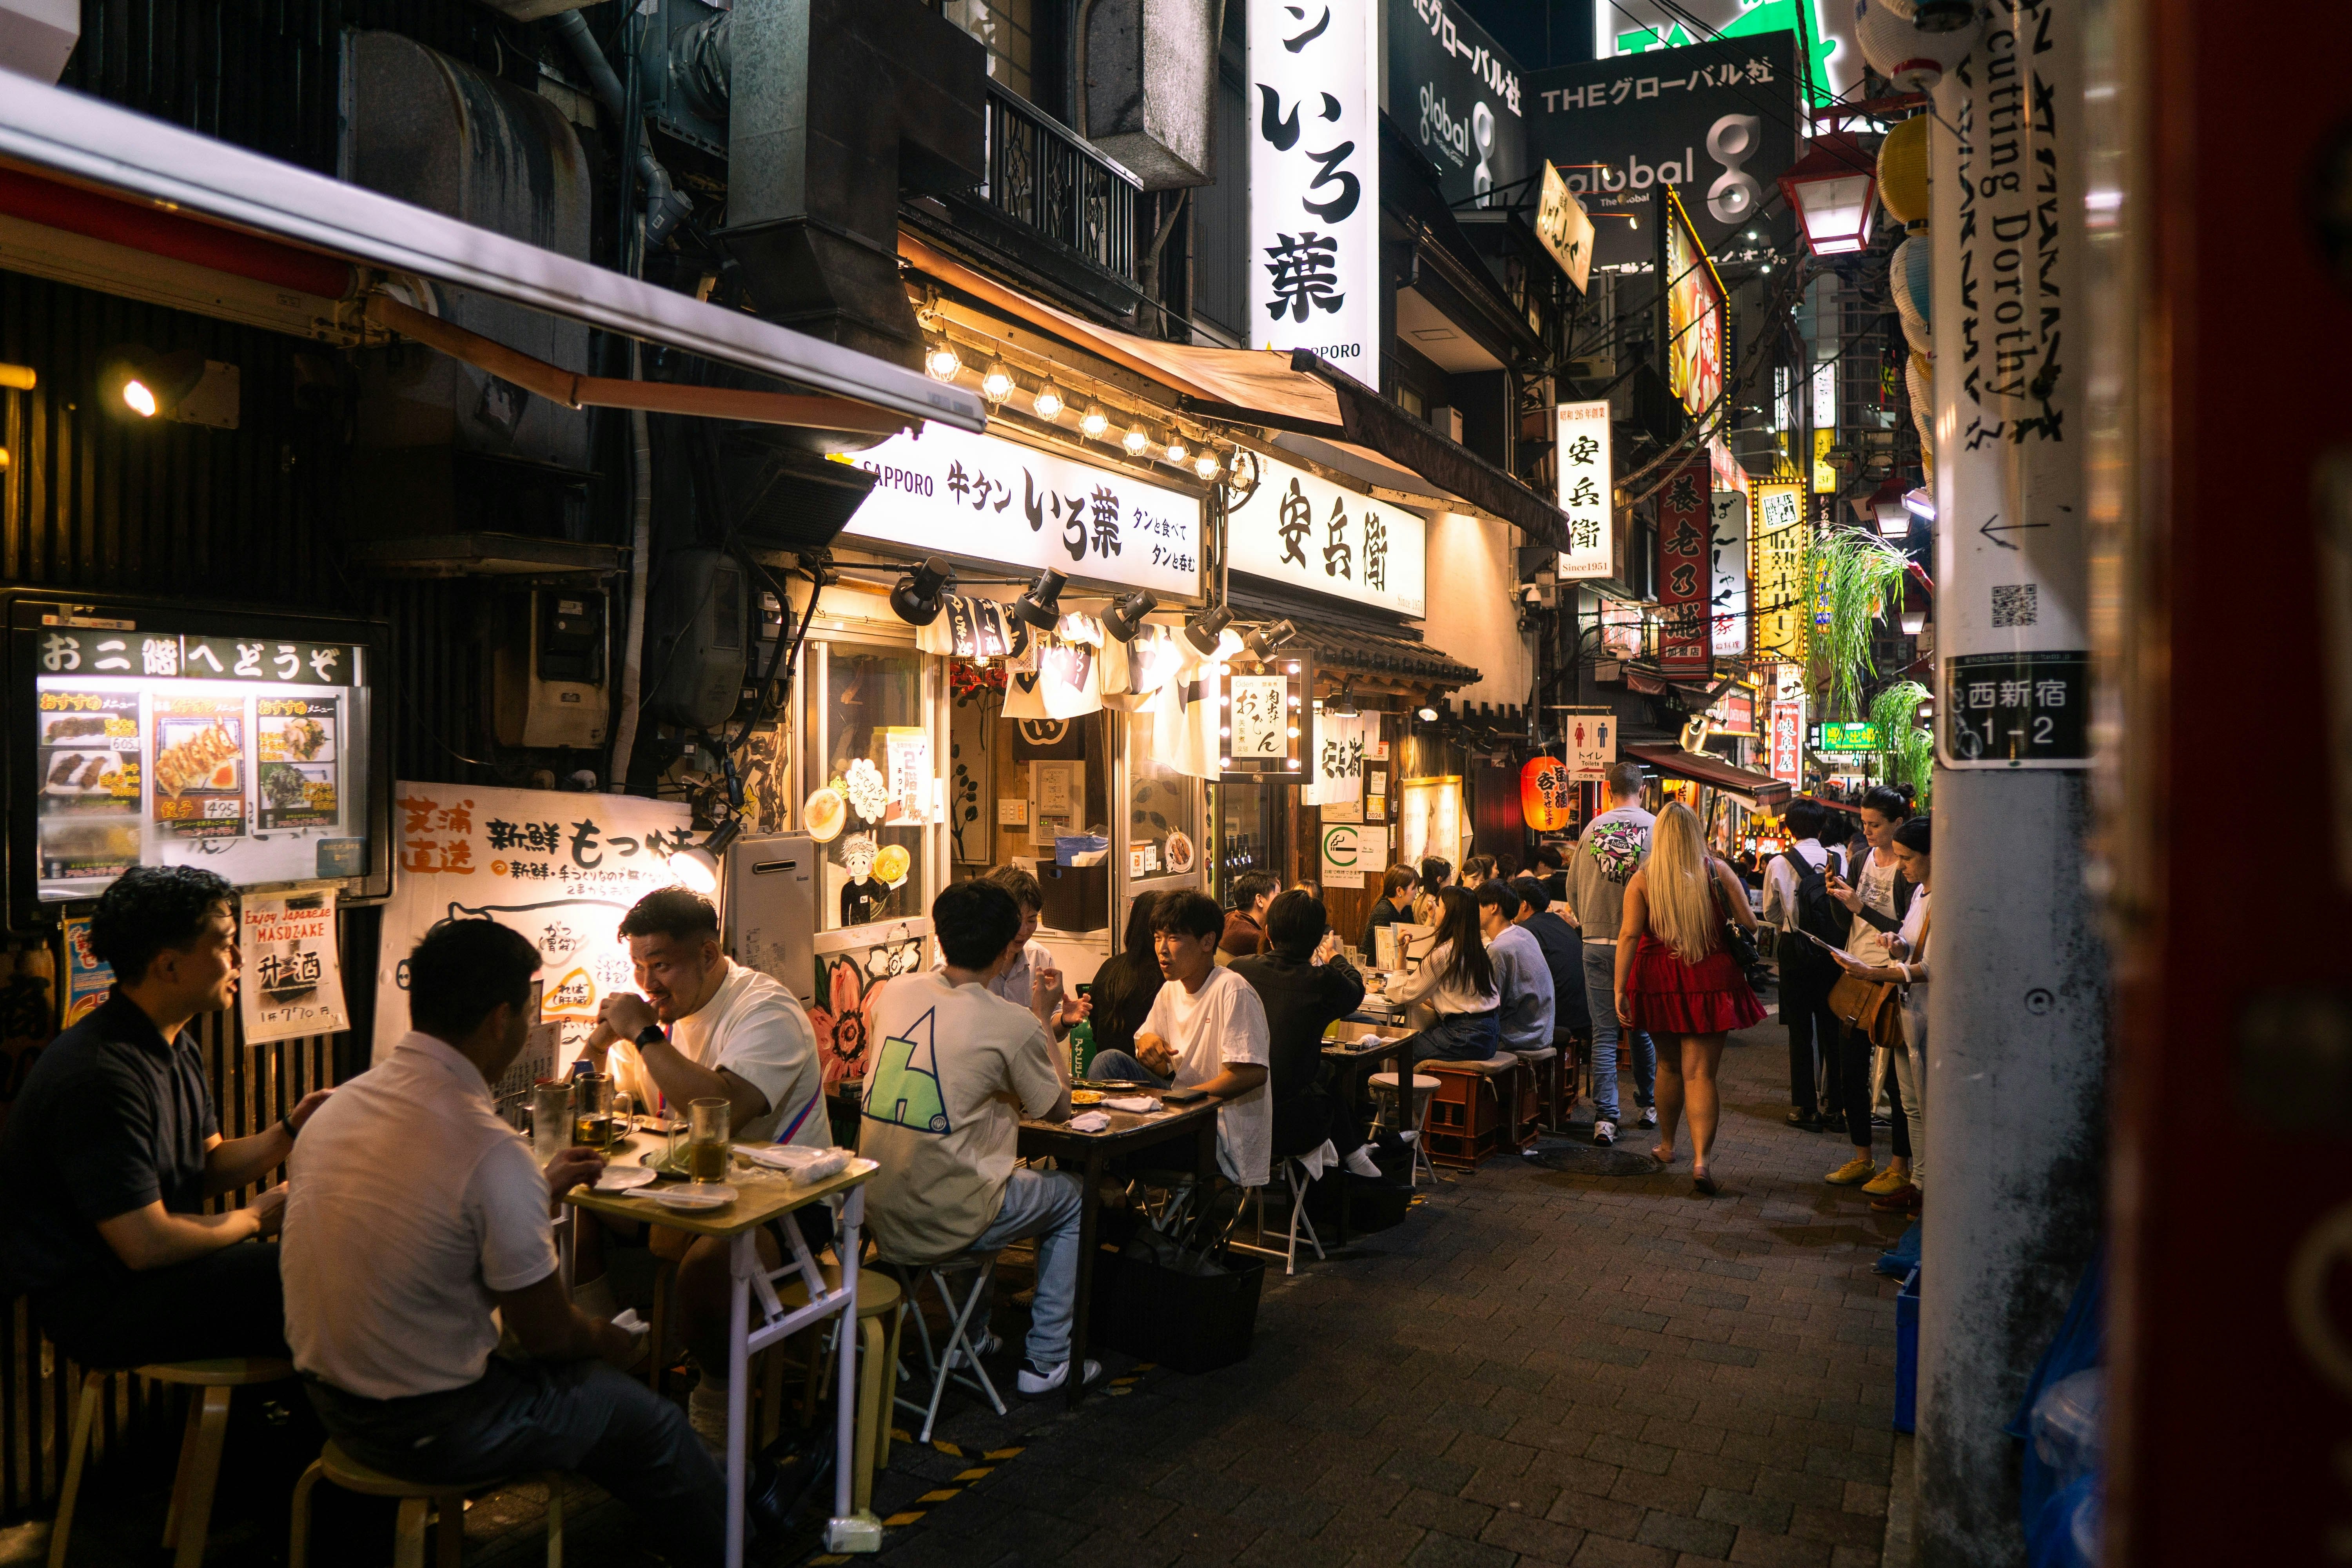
1804 1122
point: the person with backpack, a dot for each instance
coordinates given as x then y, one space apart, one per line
1610 850
1796 900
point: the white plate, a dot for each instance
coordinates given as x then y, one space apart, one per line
621 1178
697 1196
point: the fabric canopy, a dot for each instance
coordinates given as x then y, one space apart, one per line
1707 768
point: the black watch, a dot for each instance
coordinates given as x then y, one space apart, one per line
651 1034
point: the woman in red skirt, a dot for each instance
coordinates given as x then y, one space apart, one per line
1675 980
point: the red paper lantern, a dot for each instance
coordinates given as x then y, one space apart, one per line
1547 795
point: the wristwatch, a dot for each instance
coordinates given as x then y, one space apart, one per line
651 1034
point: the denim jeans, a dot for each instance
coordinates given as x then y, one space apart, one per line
1601 995
1045 1205
1117 1067
524 1417
1464 1037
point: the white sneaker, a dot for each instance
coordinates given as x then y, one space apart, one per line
985 1348
1604 1133
1035 1380
1361 1161
1649 1116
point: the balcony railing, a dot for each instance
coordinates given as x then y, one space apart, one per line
1045 178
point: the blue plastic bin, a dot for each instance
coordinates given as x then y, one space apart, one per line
1906 1352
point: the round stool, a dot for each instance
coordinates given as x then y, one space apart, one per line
1543 1063
418 1501
878 1297
1384 1099
200 1449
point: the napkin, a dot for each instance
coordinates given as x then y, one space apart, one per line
797 1161
1316 1160
1138 1103
1090 1121
1369 1038
629 1321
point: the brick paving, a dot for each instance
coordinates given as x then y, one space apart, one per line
1535 1368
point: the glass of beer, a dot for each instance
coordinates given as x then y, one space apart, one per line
707 1147
592 1110
550 1119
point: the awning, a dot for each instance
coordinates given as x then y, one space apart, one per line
76 165
1705 767
1295 392
1342 651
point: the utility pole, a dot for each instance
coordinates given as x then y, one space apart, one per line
2017 1016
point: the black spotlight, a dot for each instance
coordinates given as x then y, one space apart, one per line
1203 632
918 597
1343 704
1944 16
1125 618
1263 640
1041 606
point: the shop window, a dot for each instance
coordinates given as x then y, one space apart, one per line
1004 28
1164 831
870 781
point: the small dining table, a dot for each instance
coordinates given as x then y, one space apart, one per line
763 1195
1088 1154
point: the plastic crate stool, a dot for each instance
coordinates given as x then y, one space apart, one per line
1471 1116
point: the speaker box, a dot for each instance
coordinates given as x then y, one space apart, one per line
694 654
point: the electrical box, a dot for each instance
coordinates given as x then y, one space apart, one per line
549 683
770 914
770 622
694 654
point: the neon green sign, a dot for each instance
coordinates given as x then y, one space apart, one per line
1765 17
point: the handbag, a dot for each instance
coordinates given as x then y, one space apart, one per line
1738 944
1862 1005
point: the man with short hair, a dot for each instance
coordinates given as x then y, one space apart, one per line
706 1028
1551 870
1563 953
112 1146
1610 850
1393 906
417 1227
1245 925
1207 1031
1033 980
955 1068
1807 974
1521 976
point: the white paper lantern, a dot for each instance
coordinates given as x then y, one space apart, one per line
1907 273
1911 58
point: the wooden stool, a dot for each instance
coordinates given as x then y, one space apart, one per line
1470 1117
1539 1106
200 1449
1384 1095
418 1501
878 1298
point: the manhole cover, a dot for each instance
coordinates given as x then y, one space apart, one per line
1592 1160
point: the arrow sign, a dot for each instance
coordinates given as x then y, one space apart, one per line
1993 528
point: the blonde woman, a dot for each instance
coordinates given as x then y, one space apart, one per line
1675 980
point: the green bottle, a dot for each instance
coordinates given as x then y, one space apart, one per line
1082 1041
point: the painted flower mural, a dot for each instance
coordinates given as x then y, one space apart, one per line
844 1023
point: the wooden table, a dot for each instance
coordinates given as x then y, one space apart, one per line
1368 1058
1087 1153
763 1195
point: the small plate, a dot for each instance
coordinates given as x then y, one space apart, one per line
714 1195
621 1178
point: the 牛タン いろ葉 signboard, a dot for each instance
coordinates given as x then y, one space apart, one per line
1313 180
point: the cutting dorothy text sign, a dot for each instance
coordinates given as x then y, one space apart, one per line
1304 532
1457 95
951 493
1715 120
1315 180
2012 572
1580 431
1685 644
1728 588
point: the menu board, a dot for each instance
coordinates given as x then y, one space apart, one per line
245 757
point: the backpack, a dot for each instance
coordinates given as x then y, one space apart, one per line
1818 913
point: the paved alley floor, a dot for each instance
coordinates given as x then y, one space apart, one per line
1535 1368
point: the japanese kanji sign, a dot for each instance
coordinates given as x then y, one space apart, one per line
1727 594
1788 739
1685 649
1779 593
979 497
1259 718
1586 492
561 869
293 980
1564 229
1304 531
1314 179
1335 775
1457 96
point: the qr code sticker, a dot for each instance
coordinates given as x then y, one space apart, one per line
2015 605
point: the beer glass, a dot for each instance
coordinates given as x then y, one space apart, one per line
592 1110
550 1119
707 1146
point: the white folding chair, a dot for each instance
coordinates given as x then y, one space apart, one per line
947 1363
1288 1252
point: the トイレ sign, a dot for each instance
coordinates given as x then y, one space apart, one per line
1304 531
1313 180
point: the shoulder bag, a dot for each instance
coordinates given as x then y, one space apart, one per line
1735 939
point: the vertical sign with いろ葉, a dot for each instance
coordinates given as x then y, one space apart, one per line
1779 593
1313 180
2012 585
1685 649
1581 431
1728 585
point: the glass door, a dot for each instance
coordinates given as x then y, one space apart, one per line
1158 840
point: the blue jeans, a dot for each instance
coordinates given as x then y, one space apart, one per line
1117 1067
1045 1205
1464 1037
1601 996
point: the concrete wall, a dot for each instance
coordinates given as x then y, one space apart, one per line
1473 568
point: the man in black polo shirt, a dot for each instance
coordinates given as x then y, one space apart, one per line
111 1148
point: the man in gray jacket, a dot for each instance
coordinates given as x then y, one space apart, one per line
1610 850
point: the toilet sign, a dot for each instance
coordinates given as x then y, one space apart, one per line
1591 737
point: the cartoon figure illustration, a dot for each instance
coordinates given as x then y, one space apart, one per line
863 896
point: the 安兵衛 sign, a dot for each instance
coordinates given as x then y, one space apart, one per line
1304 532
1313 180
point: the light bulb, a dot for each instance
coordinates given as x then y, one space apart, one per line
942 362
1135 441
1094 422
1177 450
139 399
1048 404
996 385
1205 465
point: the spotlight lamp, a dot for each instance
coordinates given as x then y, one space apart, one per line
698 868
996 382
1041 606
1125 618
1263 640
1135 440
1425 713
940 361
1094 421
1343 704
1205 631
137 382
1049 402
918 595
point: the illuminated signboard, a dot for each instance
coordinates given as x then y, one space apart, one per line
1693 308
1315 182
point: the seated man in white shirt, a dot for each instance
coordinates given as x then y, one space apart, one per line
955 1068
1032 979
708 1028
416 1221
1207 1031
1525 1020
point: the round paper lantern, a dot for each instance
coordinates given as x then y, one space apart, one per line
1547 795
1907 275
1906 55
1903 174
1919 379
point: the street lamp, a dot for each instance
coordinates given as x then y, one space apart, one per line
1831 189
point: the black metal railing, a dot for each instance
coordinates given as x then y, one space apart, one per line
1041 175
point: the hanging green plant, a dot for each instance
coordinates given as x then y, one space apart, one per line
1855 576
1907 753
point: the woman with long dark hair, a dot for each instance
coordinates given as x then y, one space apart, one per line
1457 979
1128 984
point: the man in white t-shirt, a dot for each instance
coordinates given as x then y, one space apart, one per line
1206 1031
955 1068
708 1028
417 1223
1032 979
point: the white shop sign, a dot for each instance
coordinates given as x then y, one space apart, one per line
1586 490
1304 532
951 493
1315 180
